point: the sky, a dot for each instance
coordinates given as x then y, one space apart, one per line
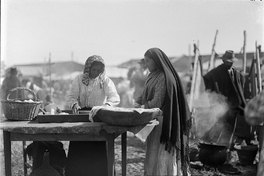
120 30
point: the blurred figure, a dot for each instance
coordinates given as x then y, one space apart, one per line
254 114
41 94
138 78
126 93
10 81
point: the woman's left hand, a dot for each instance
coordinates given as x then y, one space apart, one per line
75 109
136 105
106 105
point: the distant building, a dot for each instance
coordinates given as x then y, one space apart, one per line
58 70
63 70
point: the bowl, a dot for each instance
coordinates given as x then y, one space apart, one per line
247 154
212 154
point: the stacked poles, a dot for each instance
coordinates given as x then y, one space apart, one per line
259 80
211 63
255 73
194 76
244 53
195 86
50 74
253 79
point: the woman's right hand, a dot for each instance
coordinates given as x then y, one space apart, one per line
136 105
75 108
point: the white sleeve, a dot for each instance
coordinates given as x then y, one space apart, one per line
74 93
112 97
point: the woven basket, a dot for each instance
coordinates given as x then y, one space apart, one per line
19 110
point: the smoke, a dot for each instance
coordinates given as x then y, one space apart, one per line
209 108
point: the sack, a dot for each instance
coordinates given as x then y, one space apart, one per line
57 155
127 116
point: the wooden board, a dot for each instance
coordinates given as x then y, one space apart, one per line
62 118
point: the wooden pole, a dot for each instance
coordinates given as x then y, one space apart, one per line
258 69
190 56
192 92
245 54
252 74
194 75
50 74
198 79
211 63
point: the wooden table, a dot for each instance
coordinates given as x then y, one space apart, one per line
79 131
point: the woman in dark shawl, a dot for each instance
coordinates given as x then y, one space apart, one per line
167 145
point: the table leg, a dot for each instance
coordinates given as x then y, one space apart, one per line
110 156
124 152
7 153
24 157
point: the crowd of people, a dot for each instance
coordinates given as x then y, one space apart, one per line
154 83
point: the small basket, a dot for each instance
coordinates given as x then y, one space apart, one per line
19 110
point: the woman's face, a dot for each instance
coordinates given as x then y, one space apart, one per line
151 65
96 69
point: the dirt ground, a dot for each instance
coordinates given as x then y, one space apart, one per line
135 160
136 155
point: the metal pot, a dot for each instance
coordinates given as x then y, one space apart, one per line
212 154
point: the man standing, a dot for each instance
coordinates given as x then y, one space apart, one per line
228 81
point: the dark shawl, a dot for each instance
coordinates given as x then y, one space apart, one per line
218 80
176 114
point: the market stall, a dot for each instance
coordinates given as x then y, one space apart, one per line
81 131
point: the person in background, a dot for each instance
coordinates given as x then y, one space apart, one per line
89 89
167 144
254 114
138 79
126 93
228 81
10 82
40 93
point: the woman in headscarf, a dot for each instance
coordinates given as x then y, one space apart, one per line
92 88
167 145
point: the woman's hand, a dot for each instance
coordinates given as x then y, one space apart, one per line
137 105
75 108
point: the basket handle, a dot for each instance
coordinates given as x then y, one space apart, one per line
22 88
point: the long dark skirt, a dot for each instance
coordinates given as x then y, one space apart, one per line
87 158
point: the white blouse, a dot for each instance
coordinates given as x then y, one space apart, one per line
95 94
